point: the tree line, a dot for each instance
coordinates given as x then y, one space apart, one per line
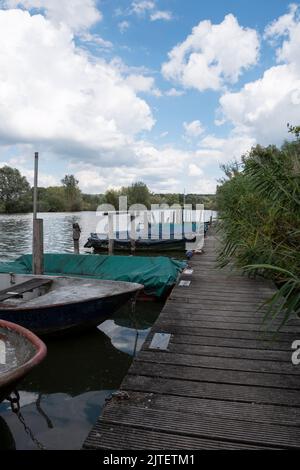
16 195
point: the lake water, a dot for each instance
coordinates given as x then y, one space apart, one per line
16 232
63 397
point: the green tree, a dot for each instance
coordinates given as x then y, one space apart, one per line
112 197
52 199
15 193
90 202
138 193
72 193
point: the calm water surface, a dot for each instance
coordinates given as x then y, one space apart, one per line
16 232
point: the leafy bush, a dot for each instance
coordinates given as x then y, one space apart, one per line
259 206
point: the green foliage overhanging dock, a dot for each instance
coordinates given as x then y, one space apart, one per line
221 383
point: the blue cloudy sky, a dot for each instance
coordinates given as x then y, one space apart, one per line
162 91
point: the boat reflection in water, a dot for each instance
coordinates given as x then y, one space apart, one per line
62 399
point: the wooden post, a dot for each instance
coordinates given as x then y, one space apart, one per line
38 247
37 226
76 237
210 220
35 184
110 233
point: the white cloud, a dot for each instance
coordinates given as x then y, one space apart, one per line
141 83
123 26
77 14
140 7
194 170
19 162
221 150
44 180
147 8
96 40
283 24
52 94
161 169
212 55
161 15
193 129
263 108
287 27
174 92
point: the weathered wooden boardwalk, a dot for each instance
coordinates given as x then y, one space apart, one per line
220 385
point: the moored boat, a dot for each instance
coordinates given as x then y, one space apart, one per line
48 305
157 274
97 242
20 352
160 238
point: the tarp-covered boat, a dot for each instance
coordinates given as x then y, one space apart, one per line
98 243
160 238
20 351
47 304
157 274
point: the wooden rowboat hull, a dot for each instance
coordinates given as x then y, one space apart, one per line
53 319
30 351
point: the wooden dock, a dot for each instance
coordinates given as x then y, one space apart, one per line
220 385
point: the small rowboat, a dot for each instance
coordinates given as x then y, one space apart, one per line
48 304
20 352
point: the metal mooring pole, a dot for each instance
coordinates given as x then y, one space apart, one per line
38 235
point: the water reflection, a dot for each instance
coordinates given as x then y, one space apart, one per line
62 399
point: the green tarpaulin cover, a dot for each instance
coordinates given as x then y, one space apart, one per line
157 274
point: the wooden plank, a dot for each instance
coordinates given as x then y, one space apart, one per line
204 426
193 293
226 287
229 342
217 376
224 363
234 326
121 437
240 353
23 287
174 328
228 318
258 413
173 310
233 393
219 306
188 302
